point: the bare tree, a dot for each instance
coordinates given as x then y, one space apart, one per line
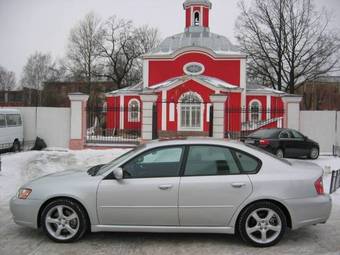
287 42
38 69
83 49
122 47
7 79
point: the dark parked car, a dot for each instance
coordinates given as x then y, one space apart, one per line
284 143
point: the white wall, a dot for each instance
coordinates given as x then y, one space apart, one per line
321 127
53 125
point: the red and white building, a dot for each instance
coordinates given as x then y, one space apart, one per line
184 72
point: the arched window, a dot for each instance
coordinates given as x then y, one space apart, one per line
197 20
190 112
255 113
134 111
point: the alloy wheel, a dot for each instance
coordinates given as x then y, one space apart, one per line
263 225
62 222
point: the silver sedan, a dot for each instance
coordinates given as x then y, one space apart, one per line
193 185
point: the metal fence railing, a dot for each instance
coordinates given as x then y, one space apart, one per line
335 181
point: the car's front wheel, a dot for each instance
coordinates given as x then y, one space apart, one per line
64 221
262 224
314 153
279 153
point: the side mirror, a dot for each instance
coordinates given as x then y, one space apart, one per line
118 173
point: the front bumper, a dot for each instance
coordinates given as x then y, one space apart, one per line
309 211
25 212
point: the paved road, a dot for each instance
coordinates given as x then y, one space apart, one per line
320 239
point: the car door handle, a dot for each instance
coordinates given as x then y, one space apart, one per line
165 187
238 184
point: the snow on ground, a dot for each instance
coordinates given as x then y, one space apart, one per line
22 167
19 168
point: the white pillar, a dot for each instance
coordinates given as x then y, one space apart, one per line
148 101
292 111
218 102
78 120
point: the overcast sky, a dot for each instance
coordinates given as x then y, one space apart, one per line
27 26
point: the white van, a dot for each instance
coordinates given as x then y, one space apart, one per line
11 129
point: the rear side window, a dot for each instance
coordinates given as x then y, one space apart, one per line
210 160
248 163
2 121
13 120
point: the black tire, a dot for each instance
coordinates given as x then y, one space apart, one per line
280 153
313 153
16 146
257 207
80 212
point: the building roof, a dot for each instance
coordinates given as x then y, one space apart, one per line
196 37
191 2
210 81
252 87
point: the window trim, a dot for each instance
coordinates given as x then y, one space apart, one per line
130 119
13 114
259 112
179 112
232 151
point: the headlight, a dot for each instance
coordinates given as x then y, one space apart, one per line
24 193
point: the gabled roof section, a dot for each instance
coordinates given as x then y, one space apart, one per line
211 82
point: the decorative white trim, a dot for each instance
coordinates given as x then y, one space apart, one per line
243 74
164 109
208 111
145 73
172 112
201 16
121 114
269 106
130 119
186 71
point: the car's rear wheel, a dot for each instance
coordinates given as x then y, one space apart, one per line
314 153
262 224
279 153
16 146
64 221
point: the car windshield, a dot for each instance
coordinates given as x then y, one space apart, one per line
118 160
269 154
264 133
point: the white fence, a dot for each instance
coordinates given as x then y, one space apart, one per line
51 124
323 127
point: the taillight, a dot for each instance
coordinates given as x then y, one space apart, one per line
264 142
319 186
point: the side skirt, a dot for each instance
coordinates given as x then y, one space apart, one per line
161 229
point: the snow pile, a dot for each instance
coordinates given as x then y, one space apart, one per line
19 168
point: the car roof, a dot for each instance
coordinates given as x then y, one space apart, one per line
9 110
189 141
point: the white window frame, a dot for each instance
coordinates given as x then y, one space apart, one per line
179 112
193 19
259 116
130 117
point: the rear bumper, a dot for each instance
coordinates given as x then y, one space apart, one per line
25 212
309 211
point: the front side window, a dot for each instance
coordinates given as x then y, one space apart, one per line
210 160
162 162
134 110
2 121
296 134
190 112
13 120
284 135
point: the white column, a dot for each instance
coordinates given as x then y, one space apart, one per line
164 110
292 111
121 112
145 73
269 107
78 120
148 101
243 86
218 102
